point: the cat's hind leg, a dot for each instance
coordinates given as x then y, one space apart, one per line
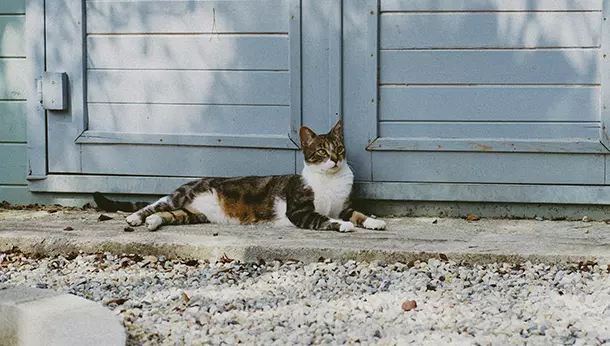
174 201
137 218
174 217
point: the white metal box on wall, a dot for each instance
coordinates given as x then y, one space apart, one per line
442 100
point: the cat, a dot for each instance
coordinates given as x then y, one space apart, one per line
317 199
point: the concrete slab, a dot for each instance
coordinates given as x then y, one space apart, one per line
31 316
487 240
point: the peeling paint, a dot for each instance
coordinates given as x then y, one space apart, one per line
481 146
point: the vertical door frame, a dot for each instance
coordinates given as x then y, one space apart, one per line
360 94
605 82
35 67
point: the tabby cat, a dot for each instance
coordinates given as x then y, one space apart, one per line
317 199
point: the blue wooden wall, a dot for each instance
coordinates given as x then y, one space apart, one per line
13 185
476 100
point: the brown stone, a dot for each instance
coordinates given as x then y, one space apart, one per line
409 305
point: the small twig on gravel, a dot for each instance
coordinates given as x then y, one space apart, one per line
118 301
225 259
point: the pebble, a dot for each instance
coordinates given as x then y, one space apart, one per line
409 305
164 301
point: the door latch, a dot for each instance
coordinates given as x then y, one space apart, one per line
55 90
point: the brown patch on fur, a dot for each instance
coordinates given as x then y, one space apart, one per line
358 218
247 212
175 217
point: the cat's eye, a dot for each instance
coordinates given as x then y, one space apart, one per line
341 150
322 152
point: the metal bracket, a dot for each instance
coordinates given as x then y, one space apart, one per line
55 91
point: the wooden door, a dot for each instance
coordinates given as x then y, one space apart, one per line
465 92
175 88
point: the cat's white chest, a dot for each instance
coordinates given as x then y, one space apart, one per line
330 191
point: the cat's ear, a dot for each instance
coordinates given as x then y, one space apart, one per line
306 135
338 129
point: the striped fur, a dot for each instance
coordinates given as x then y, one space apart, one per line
318 199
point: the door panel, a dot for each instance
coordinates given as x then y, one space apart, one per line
472 167
488 92
184 161
150 118
405 30
178 17
247 52
182 84
256 88
510 103
489 67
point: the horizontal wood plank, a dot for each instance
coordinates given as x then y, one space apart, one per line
497 145
185 160
12 36
17 194
21 194
489 103
13 158
200 119
207 140
12 7
490 30
511 193
490 5
13 119
444 167
187 16
12 83
189 52
520 130
490 67
108 184
200 87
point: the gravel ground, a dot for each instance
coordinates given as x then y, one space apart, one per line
195 302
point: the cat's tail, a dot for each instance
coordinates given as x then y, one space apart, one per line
112 206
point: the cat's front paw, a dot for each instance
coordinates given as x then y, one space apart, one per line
346 227
376 224
134 219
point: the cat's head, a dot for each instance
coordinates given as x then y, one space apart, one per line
326 152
